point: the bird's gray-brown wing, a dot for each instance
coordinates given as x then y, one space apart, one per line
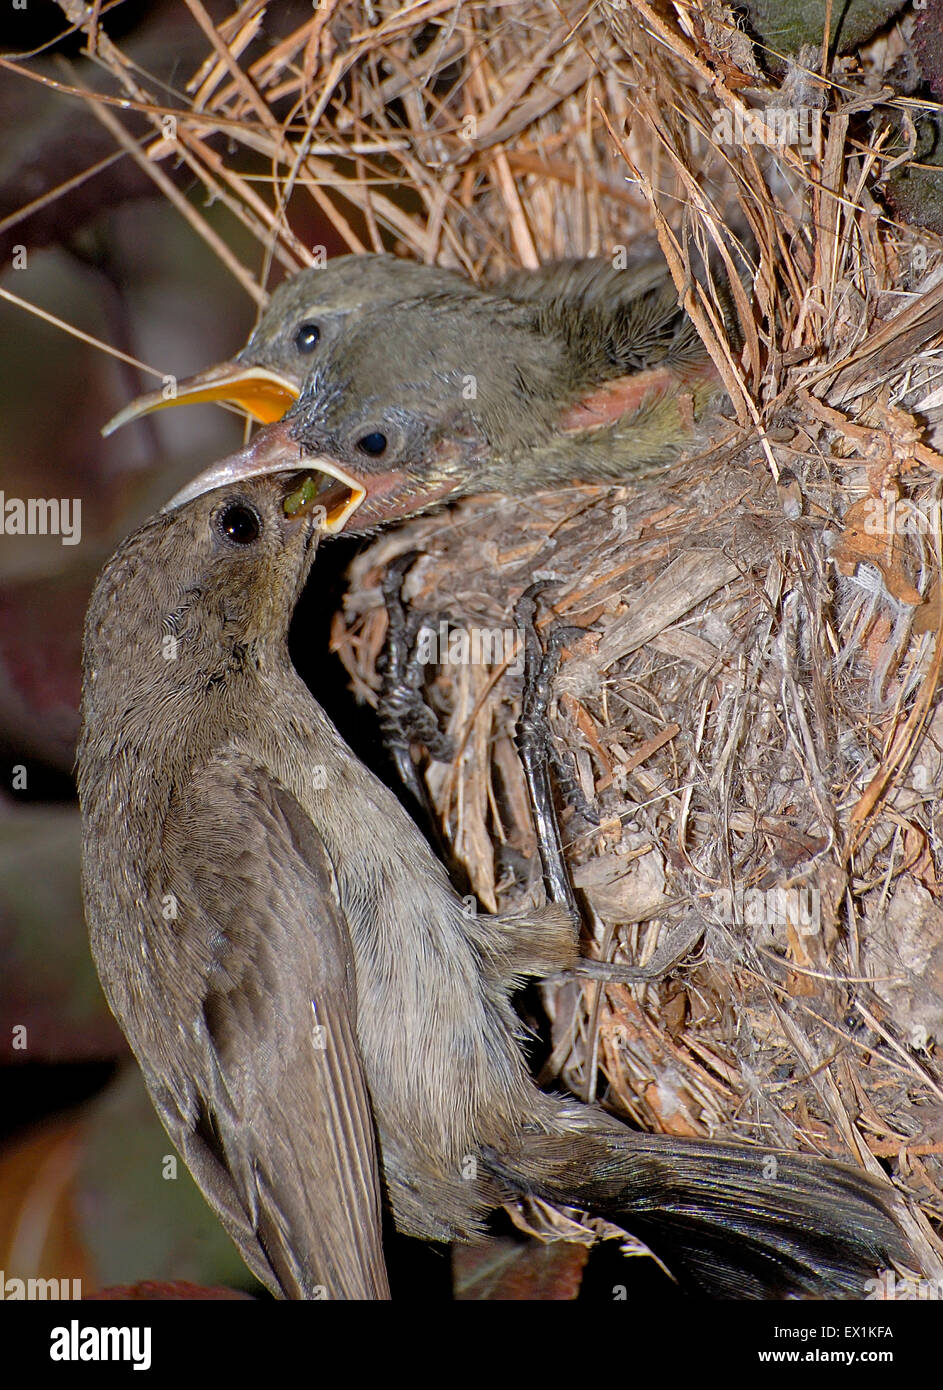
270 1107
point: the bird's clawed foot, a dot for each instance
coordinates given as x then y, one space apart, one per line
405 718
535 743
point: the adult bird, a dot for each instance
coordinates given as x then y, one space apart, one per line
320 1020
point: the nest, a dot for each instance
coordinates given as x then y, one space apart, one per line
745 717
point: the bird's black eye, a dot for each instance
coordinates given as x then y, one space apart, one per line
240 523
373 444
307 337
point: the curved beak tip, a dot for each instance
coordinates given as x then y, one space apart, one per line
272 451
263 394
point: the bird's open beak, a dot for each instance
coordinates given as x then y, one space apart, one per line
261 393
272 450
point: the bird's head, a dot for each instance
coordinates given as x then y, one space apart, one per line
196 605
307 316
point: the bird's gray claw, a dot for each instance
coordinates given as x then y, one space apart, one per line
405 718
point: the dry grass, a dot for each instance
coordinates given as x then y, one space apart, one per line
754 705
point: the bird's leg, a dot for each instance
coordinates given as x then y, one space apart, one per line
569 789
405 718
537 753
534 744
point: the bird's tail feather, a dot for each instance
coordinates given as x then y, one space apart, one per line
727 1219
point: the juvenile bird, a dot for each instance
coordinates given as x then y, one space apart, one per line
581 373
306 315
288 960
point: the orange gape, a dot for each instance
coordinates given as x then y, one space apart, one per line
263 394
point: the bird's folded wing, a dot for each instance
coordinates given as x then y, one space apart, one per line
270 1109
